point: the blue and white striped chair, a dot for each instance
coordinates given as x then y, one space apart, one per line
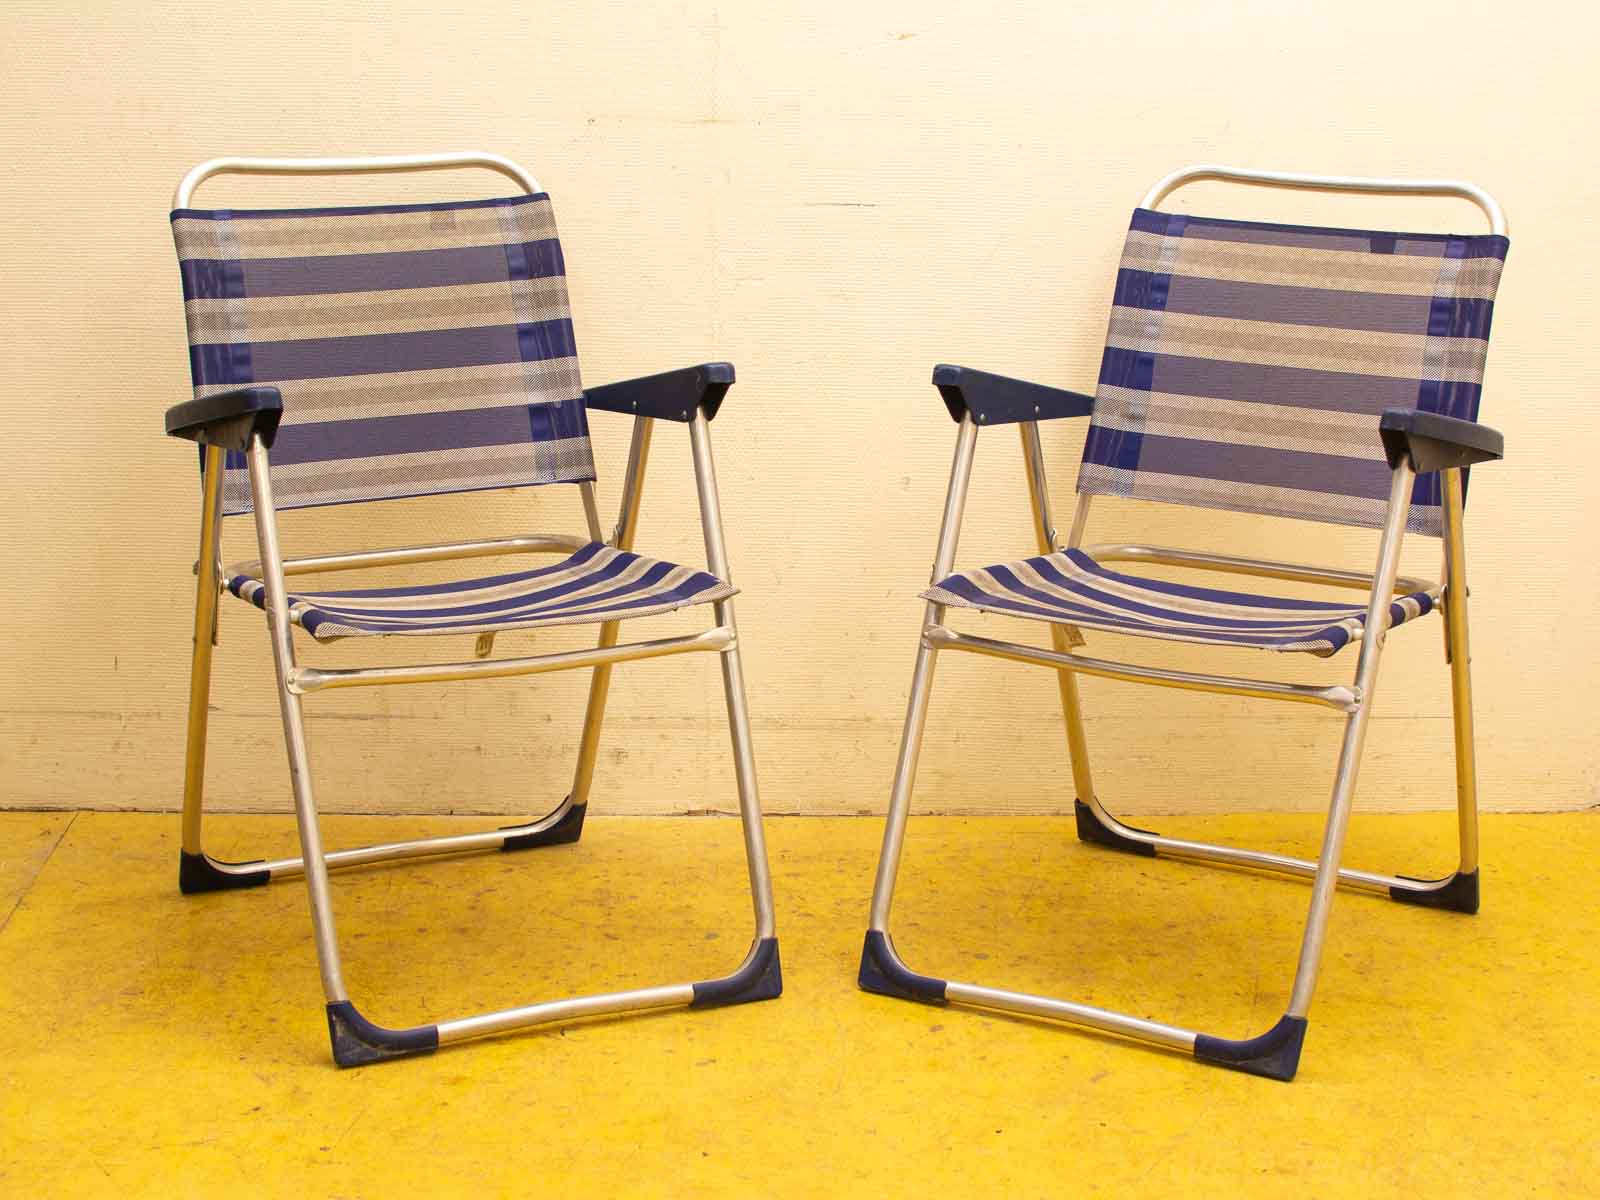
408 350
1321 374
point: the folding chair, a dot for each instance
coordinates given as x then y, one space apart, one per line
1322 374
417 349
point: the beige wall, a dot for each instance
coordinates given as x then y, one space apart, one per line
835 200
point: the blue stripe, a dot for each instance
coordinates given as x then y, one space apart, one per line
1320 308
380 271
211 278
221 363
1224 379
1116 448
380 353
1141 289
569 419
1452 316
413 433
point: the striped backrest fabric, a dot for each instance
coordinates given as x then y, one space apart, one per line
1247 363
420 348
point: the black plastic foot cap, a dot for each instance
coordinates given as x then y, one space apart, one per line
1459 893
564 832
357 1041
1273 1055
882 972
1092 829
201 873
761 978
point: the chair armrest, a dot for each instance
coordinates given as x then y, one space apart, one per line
1435 442
670 396
228 419
997 400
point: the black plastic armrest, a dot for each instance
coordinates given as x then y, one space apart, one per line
996 400
1435 442
670 396
228 419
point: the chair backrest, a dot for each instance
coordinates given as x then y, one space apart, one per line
419 348
1247 363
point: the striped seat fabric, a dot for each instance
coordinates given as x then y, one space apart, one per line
597 583
1071 588
1246 363
419 348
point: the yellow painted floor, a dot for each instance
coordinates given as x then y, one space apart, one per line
157 1045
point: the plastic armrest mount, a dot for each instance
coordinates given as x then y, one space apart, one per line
228 419
670 396
997 400
1435 442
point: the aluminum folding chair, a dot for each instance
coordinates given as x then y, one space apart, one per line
417 349
1322 374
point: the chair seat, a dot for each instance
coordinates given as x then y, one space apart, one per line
597 583
1071 588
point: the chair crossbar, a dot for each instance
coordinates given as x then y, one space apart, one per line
1118 835
302 680
533 543
1202 560
554 828
752 980
1345 699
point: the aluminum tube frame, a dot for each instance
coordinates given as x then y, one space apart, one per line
304 680
905 771
530 543
315 864
207 592
1062 637
755 846
361 165
1459 653
1330 183
1373 635
294 729
600 682
434 847
1201 560
1337 696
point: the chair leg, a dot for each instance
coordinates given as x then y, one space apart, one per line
568 826
760 976
197 871
1458 892
881 971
